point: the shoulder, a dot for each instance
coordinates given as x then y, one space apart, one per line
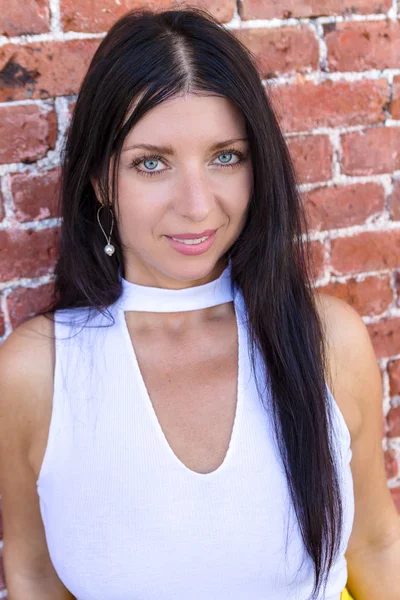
352 369
27 359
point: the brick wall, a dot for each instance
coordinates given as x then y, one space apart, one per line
333 69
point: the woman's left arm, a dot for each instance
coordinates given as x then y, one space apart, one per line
373 552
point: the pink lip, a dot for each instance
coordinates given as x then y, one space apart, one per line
192 236
195 249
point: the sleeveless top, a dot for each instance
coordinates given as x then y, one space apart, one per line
125 519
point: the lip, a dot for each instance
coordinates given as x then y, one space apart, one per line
192 236
194 249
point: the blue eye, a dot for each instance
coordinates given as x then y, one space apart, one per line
153 160
150 160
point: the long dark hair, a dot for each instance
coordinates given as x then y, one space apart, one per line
154 56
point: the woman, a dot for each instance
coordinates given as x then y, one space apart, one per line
168 426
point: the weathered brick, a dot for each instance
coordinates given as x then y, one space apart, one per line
394 106
36 195
395 201
391 465
15 259
312 157
343 206
366 251
27 133
269 9
393 419
375 150
44 69
317 255
81 15
372 296
385 337
281 50
360 46
26 302
303 106
33 17
394 377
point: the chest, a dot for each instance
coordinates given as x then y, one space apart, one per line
190 382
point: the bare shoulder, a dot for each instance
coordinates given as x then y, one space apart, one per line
26 374
353 371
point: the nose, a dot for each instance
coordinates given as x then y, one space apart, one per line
194 196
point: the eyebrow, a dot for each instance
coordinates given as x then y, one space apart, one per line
170 150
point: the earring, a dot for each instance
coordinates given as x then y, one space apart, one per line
109 249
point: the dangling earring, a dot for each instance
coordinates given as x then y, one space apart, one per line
109 249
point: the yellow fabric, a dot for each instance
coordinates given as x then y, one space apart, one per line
345 595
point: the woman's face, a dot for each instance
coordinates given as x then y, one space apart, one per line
196 179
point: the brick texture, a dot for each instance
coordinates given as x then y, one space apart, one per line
91 16
17 261
270 9
363 46
282 50
34 18
304 106
394 376
371 296
375 150
312 156
343 206
35 195
44 69
27 133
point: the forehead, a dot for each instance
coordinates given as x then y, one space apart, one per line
189 118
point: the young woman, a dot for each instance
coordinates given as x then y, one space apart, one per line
180 423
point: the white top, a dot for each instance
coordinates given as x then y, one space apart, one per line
125 519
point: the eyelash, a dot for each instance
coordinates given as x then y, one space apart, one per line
242 157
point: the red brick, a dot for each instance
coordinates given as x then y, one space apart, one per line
396 497
391 465
385 336
27 133
35 195
44 69
372 296
317 259
34 17
281 50
84 15
371 151
303 106
394 106
15 259
366 251
343 206
360 46
394 377
26 302
269 9
393 419
395 201
312 157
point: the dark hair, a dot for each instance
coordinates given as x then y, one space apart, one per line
152 56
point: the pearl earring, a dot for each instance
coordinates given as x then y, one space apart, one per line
109 249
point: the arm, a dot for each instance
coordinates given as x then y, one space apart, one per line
25 374
373 552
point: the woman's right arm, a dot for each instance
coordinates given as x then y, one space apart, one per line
26 375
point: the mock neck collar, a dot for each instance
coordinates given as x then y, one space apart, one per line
137 297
